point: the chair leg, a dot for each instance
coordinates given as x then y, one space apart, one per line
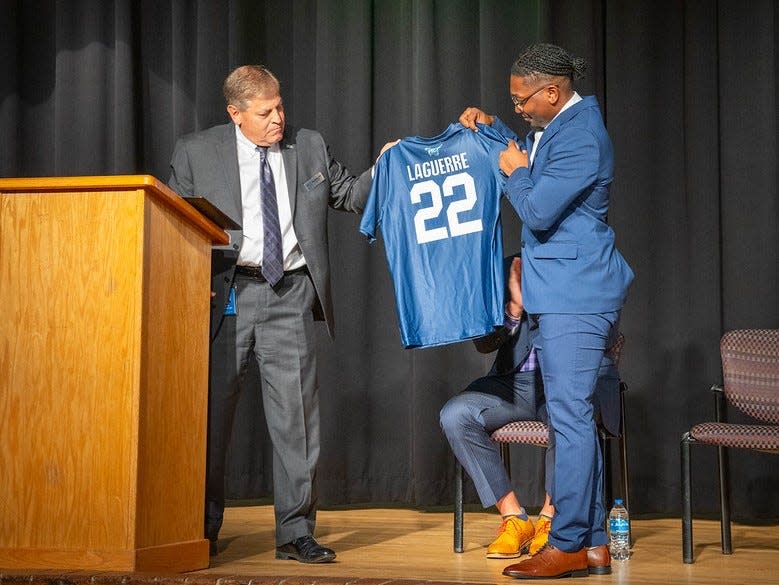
505 454
608 488
722 460
458 507
623 453
686 500
724 500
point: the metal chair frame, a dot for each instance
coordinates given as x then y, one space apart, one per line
750 367
724 496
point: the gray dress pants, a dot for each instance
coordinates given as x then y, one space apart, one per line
273 325
486 404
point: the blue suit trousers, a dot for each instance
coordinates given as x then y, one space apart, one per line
570 348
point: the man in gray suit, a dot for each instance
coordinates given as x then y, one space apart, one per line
277 182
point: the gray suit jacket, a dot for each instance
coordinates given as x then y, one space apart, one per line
206 164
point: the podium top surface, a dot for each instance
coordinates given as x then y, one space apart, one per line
159 190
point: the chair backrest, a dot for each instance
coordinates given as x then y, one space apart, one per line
750 371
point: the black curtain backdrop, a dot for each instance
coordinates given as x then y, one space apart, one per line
689 94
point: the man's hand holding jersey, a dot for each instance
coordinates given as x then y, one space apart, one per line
471 116
509 159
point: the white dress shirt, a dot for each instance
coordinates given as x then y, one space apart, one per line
249 166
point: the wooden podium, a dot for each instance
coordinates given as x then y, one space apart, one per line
105 294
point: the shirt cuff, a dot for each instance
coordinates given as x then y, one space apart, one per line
510 322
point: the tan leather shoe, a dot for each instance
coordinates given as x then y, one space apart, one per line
514 536
550 563
599 560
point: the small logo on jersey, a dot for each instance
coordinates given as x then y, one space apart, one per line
433 150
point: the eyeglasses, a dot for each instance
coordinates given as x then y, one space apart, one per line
520 103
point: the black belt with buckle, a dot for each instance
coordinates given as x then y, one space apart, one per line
256 272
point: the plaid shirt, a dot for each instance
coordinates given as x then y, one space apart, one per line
530 363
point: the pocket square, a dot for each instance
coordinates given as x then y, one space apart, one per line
314 181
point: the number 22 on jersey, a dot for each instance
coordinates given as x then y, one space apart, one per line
456 226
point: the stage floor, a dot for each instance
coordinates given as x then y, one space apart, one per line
395 546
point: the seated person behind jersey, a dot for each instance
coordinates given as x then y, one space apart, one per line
512 390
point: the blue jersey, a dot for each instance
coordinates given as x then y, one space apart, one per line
437 201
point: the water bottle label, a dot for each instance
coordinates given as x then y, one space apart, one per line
617 525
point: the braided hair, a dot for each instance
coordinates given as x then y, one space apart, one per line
545 60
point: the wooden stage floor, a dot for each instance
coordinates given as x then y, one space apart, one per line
401 544
408 547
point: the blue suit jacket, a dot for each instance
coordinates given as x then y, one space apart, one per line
569 261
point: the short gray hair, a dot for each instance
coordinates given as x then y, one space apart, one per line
248 82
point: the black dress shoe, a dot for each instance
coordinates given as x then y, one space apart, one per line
306 550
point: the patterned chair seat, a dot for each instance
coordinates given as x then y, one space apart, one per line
758 437
528 432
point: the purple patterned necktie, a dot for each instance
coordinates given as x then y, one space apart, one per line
272 262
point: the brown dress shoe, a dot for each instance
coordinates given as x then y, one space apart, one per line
550 563
599 560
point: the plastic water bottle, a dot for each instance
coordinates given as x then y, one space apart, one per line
619 532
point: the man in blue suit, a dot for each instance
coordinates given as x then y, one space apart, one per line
574 283
513 391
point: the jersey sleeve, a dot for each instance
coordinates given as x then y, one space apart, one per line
496 142
372 215
499 128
